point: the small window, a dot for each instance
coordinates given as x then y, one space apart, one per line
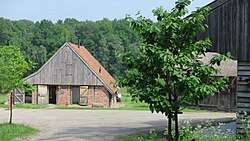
100 70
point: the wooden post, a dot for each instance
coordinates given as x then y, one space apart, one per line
11 103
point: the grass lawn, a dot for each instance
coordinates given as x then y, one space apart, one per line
30 106
3 98
11 131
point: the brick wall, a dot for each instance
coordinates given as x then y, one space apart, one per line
98 95
63 95
91 99
102 96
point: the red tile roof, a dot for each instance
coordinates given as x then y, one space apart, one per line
95 66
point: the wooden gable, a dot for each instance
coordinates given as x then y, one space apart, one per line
65 67
228 28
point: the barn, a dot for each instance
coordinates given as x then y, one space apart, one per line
225 100
229 30
73 76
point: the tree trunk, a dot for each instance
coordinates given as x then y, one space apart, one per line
169 126
170 121
11 102
176 125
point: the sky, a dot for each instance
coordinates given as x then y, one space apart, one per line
82 10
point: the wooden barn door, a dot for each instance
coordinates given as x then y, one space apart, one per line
52 94
83 95
75 94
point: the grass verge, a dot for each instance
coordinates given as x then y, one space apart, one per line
30 106
11 131
3 98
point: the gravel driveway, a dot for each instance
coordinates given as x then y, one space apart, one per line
93 125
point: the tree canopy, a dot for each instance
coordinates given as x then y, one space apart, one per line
12 68
167 73
38 41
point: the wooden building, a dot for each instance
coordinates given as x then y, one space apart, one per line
224 100
73 76
229 30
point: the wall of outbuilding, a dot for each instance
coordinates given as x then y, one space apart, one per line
96 95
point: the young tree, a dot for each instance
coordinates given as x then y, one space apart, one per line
167 74
12 68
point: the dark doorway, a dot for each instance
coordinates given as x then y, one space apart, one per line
52 94
75 94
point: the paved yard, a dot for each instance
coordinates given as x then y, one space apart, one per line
93 125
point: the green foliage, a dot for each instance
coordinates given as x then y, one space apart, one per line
38 41
30 106
152 135
9 132
12 68
3 99
168 64
204 132
167 73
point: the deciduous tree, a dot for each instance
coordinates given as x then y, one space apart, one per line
167 74
12 68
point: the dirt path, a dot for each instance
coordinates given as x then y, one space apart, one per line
94 125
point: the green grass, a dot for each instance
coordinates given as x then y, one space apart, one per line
11 131
3 98
129 104
187 110
153 135
30 106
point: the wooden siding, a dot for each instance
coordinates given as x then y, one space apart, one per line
65 68
19 96
243 91
222 101
228 28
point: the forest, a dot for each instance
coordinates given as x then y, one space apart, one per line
38 41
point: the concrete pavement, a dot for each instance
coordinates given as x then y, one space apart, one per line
95 125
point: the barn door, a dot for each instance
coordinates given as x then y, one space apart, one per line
52 94
75 94
83 95
19 96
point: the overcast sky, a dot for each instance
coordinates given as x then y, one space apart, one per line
54 10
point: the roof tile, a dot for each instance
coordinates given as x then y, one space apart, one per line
95 66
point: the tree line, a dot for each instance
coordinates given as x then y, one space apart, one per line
38 41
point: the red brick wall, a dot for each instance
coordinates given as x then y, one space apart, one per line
91 95
63 95
98 95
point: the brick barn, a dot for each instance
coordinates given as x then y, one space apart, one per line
73 76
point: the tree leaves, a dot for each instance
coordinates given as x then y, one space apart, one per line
168 64
12 68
